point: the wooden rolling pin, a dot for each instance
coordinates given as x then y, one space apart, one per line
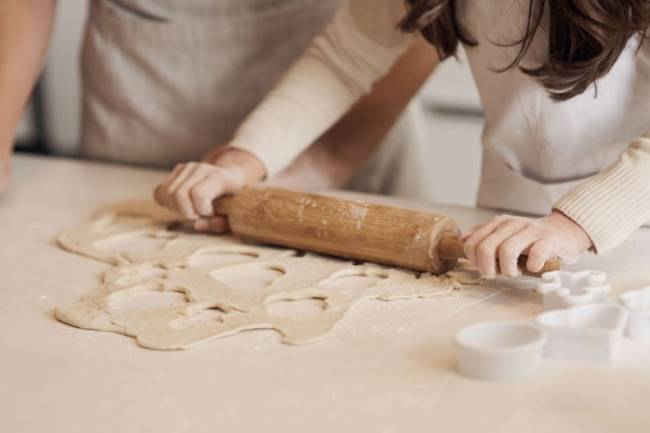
351 229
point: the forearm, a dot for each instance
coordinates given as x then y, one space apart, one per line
341 65
351 142
25 27
611 205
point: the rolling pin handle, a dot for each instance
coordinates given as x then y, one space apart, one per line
223 205
450 248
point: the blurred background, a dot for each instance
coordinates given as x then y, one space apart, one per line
453 114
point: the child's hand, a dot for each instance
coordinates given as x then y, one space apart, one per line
505 238
191 188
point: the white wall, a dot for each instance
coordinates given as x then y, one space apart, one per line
62 78
453 137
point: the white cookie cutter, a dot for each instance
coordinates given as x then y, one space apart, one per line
499 350
562 289
637 304
586 332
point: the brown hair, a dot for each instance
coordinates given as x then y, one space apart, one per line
586 37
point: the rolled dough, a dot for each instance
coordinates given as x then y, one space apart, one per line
212 286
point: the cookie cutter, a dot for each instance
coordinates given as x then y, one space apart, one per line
499 351
586 332
562 289
637 304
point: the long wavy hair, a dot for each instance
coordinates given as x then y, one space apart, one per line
586 37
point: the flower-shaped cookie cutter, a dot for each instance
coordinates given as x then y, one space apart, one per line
586 332
637 304
499 351
562 289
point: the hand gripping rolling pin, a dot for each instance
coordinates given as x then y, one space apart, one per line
350 229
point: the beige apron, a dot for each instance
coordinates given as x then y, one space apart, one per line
165 81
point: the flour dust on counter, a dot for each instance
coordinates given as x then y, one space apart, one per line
172 289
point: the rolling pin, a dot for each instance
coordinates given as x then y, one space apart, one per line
350 229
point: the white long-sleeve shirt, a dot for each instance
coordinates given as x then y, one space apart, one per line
597 140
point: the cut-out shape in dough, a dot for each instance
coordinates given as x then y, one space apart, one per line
215 286
210 315
354 279
135 243
298 307
250 278
219 259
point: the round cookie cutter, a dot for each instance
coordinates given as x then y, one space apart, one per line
499 351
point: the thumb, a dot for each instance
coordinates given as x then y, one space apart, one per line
216 225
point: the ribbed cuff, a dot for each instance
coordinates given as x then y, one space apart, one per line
610 206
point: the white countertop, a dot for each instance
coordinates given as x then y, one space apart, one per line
387 367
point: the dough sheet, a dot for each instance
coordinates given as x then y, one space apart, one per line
172 289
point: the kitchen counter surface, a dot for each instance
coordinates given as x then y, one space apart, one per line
387 367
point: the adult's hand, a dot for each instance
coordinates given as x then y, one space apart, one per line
496 246
191 188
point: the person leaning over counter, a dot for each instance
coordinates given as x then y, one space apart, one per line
168 81
566 90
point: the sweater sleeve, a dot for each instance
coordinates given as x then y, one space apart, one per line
613 204
354 51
